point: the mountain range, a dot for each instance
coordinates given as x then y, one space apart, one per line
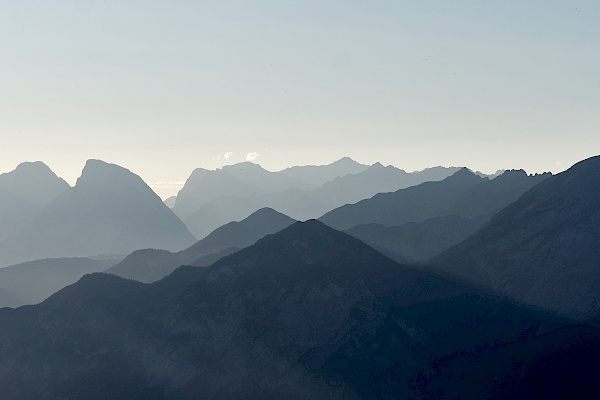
464 194
473 288
110 210
210 199
543 249
308 312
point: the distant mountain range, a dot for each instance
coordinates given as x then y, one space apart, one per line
464 194
110 210
430 217
210 199
543 249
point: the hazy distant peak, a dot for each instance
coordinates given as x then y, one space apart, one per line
465 174
264 212
245 165
33 166
346 161
31 169
102 174
34 183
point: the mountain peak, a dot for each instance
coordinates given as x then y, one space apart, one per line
465 175
245 165
265 212
102 175
32 166
345 161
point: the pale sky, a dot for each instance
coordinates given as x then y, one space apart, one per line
163 87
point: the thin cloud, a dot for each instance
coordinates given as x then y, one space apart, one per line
227 155
252 156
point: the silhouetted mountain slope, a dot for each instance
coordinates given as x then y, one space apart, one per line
543 249
209 259
308 312
464 194
23 193
562 364
151 265
110 210
147 265
239 234
418 241
32 282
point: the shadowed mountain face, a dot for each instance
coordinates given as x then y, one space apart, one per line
110 210
542 249
33 282
418 241
24 192
464 194
308 312
297 201
562 364
151 265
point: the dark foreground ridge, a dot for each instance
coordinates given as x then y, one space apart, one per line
308 312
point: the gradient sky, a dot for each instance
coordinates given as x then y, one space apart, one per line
162 87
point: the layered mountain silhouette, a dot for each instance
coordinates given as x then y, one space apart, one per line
24 192
418 241
238 180
32 282
308 312
543 249
231 202
150 265
464 194
317 175
110 210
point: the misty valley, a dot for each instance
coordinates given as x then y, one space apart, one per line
338 281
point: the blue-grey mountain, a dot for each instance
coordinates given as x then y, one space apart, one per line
543 249
150 265
464 194
110 210
308 312
24 192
